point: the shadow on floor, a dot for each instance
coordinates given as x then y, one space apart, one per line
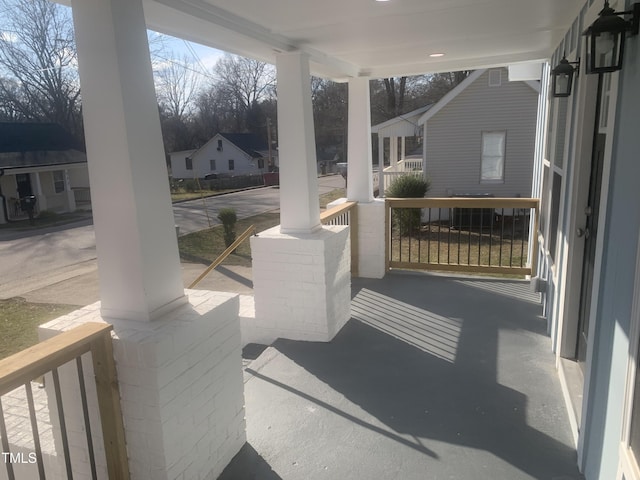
252 467
432 378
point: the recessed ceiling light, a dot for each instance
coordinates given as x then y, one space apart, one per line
382 0
434 55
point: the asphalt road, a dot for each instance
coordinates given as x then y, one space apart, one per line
57 254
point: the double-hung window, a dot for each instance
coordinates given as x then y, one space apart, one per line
492 161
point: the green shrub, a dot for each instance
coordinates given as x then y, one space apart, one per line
228 218
408 186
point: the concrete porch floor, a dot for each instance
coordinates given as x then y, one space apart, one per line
433 378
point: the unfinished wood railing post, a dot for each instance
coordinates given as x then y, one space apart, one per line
110 410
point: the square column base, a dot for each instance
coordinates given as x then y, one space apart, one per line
371 237
302 283
181 389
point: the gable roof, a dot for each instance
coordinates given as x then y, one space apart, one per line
34 137
248 142
405 117
24 145
461 87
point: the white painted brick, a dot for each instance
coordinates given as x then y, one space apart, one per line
160 366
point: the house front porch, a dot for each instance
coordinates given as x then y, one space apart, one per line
434 376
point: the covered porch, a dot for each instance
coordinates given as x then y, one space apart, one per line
177 351
418 384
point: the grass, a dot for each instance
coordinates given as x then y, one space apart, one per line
184 196
331 196
206 245
19 321
436 243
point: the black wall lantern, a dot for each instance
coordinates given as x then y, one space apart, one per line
605 38
562 77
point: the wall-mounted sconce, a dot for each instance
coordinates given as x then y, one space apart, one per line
606 36
562 77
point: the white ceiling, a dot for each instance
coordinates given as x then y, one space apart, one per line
377 39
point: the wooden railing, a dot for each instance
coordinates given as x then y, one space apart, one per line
345 214
473 235
46 357
230 249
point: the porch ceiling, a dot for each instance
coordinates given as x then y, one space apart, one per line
372 38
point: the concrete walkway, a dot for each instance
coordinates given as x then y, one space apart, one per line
432 378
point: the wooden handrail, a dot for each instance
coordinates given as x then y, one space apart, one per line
455 202
39 359
224 255
328 215
24 366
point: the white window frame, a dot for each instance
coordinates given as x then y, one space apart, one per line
500 158
212 164
58 182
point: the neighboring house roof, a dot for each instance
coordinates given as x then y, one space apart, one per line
25 145
251 144
410 118
458 89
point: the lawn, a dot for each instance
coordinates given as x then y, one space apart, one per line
19 321
436 243
206 245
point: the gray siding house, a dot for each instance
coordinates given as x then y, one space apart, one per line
480 137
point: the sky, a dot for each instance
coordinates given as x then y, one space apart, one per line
200 57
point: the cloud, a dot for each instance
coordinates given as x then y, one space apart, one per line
9 37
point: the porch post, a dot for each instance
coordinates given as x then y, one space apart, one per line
41 198
71 199
301 270
393 152
138 262
359 178
371 212
299 203
178 354
403 148
381 165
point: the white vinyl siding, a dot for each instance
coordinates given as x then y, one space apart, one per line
492 161
453 138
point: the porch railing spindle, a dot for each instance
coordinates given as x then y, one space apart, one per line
5 444
34 430
63 426
85 414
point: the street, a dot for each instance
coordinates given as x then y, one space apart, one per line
61 253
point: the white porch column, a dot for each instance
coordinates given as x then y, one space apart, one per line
301 270
403 148
71 198
138 262
370 227
359 168
381 165
393 152
178 356
299 203
41 198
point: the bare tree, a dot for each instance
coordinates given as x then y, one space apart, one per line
246 80
38 61
177 85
